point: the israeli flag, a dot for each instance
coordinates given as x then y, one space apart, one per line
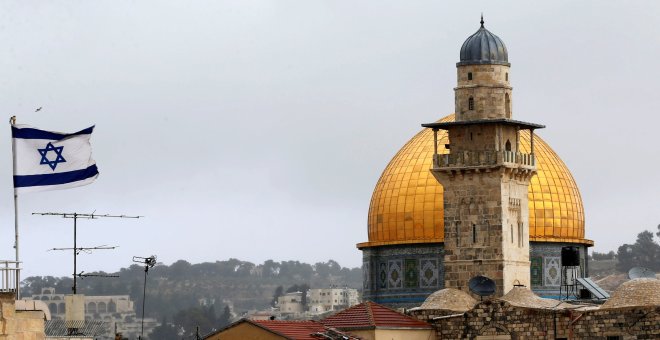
45 160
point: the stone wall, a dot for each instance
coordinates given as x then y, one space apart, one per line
489 89
23 325
485 233
499 318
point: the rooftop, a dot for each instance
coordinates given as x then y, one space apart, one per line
370 315
450 299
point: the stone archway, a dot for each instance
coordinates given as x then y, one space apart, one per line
494 331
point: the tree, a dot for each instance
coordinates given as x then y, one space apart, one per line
225 318
603 256
300 288
279 291
189 319
644 253
165 331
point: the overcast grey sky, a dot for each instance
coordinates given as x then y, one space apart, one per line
258 129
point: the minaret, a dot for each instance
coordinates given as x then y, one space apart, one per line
485 177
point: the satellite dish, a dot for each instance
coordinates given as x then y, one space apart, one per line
482 286
641 273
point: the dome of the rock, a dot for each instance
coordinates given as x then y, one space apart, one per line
407 203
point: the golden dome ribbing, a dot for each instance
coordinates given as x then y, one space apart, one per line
407 203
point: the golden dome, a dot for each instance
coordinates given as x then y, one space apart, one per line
407 207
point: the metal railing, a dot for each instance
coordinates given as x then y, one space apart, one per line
518 158
483 158
10 276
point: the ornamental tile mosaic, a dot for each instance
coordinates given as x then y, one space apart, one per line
412 273
395 279
366 275
382 275
536 270
552 275
428 276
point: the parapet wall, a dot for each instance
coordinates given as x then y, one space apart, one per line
499 318
21 325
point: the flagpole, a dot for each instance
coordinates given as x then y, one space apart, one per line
12 121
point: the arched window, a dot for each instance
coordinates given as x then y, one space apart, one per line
507 146
112 307
471 103
45 298
62 308
469 75
53 308
506 76
474 233
102 307
56 298
507 105
91 307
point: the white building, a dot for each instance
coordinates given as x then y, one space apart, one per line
291 303
322 300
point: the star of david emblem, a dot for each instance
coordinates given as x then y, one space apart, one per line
58 152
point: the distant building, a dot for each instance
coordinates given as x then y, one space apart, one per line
291 303
322 300
114 310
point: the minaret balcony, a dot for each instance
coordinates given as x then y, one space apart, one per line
483 159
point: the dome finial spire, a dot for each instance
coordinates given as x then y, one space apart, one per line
482 19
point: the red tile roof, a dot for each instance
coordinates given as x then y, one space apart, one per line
293 330
368 315
298 330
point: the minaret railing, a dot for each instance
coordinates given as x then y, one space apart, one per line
483 158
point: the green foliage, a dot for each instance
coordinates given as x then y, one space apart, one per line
596 256
300 288
187 321
165 331
644 253
182 285
225 318
279 291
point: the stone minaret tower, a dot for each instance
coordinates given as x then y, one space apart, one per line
485 176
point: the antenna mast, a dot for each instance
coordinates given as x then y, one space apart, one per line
76 250
149 262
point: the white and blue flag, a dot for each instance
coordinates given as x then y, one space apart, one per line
45 160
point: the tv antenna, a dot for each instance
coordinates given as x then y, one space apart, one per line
482 286
77 250
149 262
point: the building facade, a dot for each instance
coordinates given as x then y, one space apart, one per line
322 300
114 310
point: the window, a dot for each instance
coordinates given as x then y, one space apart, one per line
474 233
507 146
469 75
520 235
613 337
471 103
506 76
507 105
